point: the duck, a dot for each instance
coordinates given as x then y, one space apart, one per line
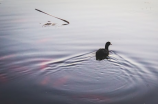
102 53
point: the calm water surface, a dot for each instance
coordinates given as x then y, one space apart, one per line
56 64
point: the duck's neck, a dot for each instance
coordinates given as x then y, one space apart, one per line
107 47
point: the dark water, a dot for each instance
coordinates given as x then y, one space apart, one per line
56 64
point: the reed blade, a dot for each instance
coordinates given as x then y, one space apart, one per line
54 17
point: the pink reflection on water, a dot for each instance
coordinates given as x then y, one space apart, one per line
61 81
6 57
57 83
18 68
43 40
3 78
45 81
20 20
93 97
44 64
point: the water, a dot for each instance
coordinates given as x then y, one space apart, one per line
56 64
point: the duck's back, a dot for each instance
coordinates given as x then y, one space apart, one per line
102 53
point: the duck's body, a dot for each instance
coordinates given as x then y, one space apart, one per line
103 53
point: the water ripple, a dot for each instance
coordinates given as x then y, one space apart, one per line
86 70
81 74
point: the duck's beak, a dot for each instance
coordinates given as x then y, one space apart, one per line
110 44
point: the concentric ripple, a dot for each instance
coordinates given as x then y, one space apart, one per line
84 77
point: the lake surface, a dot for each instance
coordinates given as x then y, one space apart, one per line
56 64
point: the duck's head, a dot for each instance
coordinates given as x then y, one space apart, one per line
107 45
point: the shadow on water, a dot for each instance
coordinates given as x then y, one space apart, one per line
49 24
